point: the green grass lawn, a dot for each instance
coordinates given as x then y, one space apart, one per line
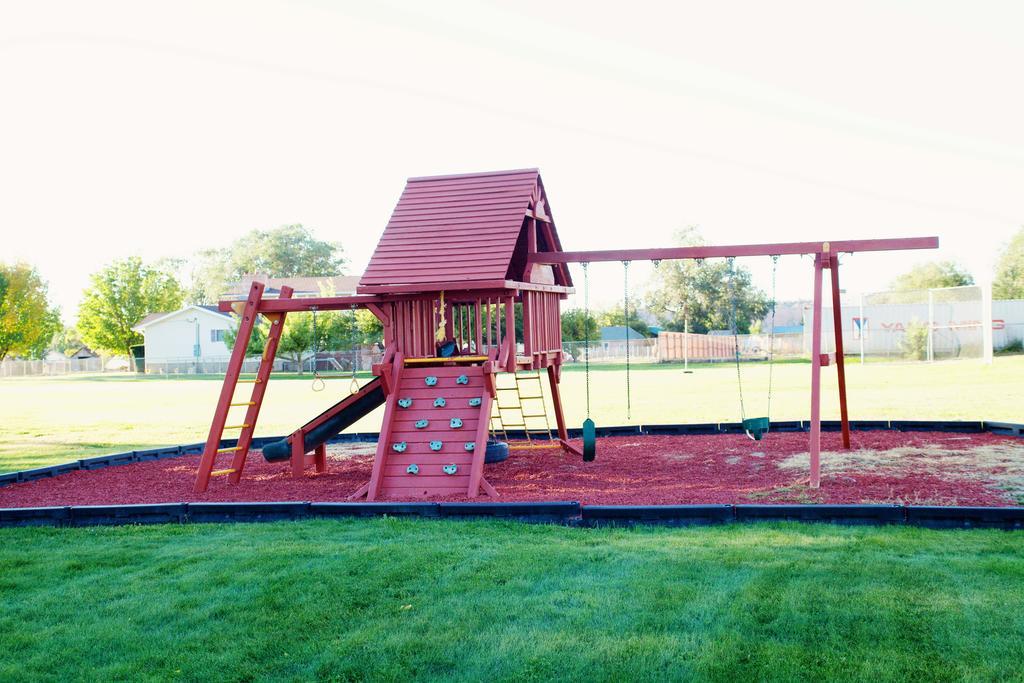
49 420
396 600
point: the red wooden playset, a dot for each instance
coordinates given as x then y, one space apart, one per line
456 257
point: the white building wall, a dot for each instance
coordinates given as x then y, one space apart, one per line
886 323
172 339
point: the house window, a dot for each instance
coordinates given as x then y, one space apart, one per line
217 335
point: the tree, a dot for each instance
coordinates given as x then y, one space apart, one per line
286 251
701 292
335 331
67 340
932 275
371 329
27 322
578 325
119 297
297 338
257 340
1009 280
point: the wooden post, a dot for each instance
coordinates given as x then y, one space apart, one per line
556 401
815 439
298 459
476 468
320 458
837 320
510 333
383 441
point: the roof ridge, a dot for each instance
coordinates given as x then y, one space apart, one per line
479 174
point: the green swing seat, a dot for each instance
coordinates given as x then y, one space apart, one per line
756 427
589 440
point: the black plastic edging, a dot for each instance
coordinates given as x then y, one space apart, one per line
667 515
567 513
129 457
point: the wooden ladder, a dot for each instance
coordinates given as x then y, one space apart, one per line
249 312
523 410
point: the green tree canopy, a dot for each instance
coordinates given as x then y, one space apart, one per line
577 325
67 340
932 275
120 296
701 292
27 321
257 340
286 251
1009 280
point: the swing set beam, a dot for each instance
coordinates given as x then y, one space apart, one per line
735 250
826 257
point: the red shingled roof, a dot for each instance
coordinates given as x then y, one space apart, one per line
454 229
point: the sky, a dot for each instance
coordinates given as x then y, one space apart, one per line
160 129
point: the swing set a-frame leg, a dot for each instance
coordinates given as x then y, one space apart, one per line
830 260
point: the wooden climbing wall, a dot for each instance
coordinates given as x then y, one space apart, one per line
409 431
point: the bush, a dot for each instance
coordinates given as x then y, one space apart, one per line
915 341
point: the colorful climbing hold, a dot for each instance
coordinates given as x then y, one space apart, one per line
404 402
474 402
421 424
399 447
462 379
470 446
439 402
450 469
436 445
430 381
455 422
412 469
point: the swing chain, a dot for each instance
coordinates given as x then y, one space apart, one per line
318 382
735 334
353 386
625 313
771 337
586 332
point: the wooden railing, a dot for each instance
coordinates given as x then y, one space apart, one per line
479 326
542 326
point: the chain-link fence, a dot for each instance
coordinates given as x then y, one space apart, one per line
640 351
324 362
15 367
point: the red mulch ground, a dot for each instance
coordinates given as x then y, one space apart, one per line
628 471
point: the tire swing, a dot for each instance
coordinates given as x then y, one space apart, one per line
589 430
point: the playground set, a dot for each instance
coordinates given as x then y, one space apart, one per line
458 255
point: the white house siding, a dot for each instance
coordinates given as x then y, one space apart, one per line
171 339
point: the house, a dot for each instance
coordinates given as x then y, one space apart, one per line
619 333
194 332
82 353
307 286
